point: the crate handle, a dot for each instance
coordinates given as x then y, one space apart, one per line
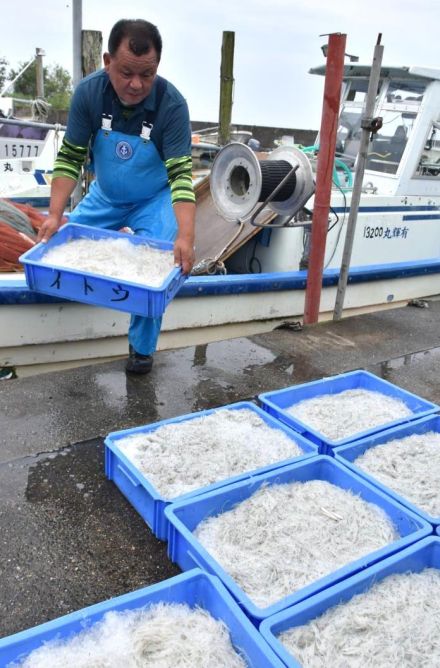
172 285
133 481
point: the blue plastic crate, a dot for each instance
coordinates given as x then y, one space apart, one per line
195 588
184 517
417 557
347 454
276 402
142 494
94 288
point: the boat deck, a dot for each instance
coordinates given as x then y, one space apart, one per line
68 538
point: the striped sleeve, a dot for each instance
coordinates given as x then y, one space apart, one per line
69 160
180 179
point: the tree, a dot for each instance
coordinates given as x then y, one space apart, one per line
57 84
58 87
3 67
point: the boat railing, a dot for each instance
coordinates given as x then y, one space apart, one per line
32 124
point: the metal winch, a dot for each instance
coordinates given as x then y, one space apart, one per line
242 185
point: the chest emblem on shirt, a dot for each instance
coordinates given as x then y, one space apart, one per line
124 150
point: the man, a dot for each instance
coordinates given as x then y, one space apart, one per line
137 125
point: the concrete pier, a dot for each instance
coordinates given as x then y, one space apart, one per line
68 538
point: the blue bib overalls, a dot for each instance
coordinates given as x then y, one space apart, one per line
131 190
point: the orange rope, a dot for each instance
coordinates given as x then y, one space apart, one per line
36 218
14 243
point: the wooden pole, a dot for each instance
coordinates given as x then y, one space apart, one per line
226 87
324 174
370 103
91 60
91 51
39 72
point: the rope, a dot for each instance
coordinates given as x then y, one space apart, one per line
18 226
16 219
56 139
40 109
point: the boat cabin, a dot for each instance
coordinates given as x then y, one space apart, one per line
404 155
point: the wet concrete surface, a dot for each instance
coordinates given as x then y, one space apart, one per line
47 412
68 538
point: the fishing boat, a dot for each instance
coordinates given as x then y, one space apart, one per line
27 151
255 275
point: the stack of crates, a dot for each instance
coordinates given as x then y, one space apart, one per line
194 587
414 558
204 582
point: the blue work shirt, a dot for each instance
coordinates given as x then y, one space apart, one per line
171 133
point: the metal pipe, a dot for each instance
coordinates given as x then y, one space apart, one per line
370 103
77 72
21 100
213 129
32 124
76 41
324 174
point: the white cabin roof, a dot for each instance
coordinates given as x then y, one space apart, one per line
359 71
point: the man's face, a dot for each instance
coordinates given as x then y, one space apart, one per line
131 76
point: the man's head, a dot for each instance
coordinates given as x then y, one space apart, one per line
134 50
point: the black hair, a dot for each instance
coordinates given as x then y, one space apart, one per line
141 34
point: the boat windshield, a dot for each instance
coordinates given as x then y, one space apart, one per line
349 134
429 162
386 149
397 104
408 92
349 127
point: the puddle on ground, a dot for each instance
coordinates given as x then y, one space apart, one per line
231 354
221 373
429 357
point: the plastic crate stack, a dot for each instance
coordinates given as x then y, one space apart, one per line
423 553
255 630
194 587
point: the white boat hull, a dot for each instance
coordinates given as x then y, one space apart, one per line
39 337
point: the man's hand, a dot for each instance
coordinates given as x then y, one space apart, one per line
184 245
184 254
49 227
61 189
